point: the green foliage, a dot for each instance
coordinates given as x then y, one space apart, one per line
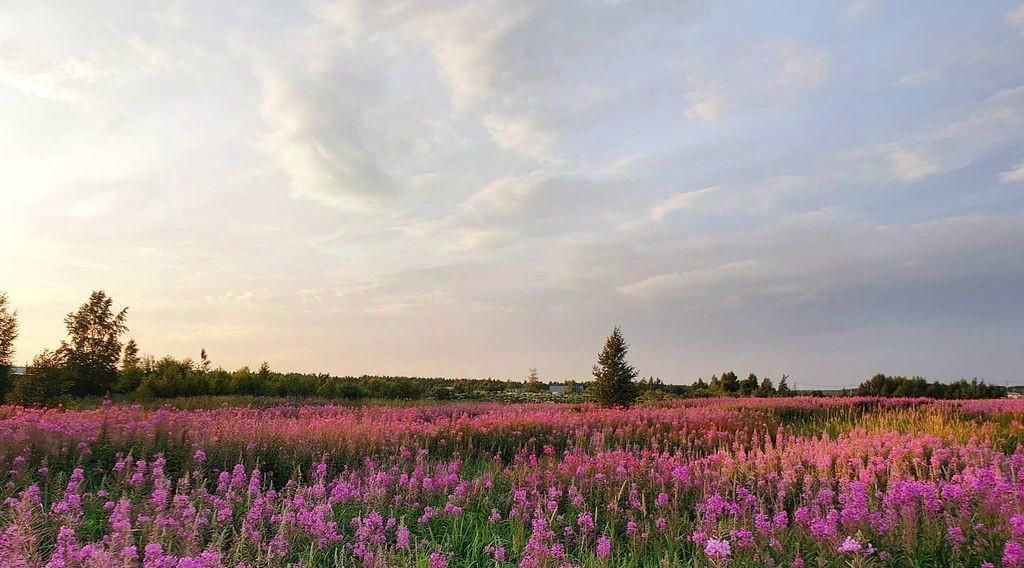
613 375
93 349
8 334
749 385
892 386
46 380
533 382
728 384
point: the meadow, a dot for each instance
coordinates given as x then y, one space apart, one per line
788 482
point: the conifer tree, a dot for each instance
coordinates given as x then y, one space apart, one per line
613 375
783 389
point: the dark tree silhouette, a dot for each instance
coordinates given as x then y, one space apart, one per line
8 334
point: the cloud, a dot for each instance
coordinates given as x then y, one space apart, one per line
1013 175
464 39
522 134
860 10
910 166
964 138
506 196
802 66
817 257
917 78
766 72
679 201
697 280
707 102
316 114
1015 18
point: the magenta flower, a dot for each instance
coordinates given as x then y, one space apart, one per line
604 547
850 546
717 549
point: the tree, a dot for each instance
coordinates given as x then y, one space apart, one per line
766 388
729 383
8 334
783 389
749 385
613 375
94 346
45 380
130 376
204 361
533 381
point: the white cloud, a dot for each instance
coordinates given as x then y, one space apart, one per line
1013 175
910 166
917 78
1015 18
992 124
860 10
506 195
698 280
315 113
802 65
522 134
707 102
771 72
679 201
464 38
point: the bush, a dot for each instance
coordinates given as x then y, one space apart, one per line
45 381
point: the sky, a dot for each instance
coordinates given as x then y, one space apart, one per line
455 188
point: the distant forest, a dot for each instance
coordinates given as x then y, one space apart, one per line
94 360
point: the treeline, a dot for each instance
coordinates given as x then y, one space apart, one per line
886 386
169 377
95 360
729 384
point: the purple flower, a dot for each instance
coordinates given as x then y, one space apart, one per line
604 547
717 549
437 560
849 546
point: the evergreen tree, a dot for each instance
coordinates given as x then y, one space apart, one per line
94 347
8 334
783 389
749 385
613 375
204 361
729 383
131 374
766 388
130 356
533 381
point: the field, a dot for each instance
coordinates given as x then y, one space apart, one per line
722 482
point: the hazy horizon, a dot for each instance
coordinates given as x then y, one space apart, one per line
455 188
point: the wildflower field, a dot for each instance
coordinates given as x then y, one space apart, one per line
725 482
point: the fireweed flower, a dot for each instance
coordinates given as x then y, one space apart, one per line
604 547
437 560
850 546
717 549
